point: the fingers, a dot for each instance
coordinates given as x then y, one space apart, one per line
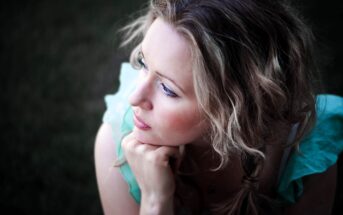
169 151
128 138
160 155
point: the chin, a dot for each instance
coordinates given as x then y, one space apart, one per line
142 136
147 138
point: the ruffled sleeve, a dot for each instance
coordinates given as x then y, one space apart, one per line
119 115
117 104
318 150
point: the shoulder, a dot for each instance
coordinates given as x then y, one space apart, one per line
309 179
318 195
114 191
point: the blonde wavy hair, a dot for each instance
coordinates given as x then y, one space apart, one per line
252 66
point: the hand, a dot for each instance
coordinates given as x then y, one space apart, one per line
151 166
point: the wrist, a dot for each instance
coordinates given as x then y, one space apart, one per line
156 205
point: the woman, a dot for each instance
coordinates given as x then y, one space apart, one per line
223 98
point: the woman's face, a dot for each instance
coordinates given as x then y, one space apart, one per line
164 103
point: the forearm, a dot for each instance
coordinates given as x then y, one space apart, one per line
151 205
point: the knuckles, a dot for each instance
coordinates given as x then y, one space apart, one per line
153 158
141 152
128 143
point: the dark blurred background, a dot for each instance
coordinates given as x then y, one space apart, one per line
58 60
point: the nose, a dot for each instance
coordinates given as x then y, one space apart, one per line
141 96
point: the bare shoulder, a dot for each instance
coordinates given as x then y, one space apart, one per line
114 191
319 194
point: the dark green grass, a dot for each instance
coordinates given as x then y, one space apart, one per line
58 60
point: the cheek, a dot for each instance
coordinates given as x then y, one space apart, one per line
179 120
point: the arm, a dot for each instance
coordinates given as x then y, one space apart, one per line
150 165
152 205
318 196
114 191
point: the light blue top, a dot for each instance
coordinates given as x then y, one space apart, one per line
318 151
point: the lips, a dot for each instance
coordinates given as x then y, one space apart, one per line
140 123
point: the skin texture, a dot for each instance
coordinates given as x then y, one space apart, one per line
150 165
174 122
114 194
165 101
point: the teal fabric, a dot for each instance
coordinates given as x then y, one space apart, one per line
119 116
318 151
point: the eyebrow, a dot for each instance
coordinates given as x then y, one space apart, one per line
163 76
171 80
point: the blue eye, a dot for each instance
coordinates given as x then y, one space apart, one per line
167 91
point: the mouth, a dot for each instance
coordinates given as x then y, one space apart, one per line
140 123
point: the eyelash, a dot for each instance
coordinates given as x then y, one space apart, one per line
168 92
141 63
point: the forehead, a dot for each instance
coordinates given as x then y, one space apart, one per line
168 52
